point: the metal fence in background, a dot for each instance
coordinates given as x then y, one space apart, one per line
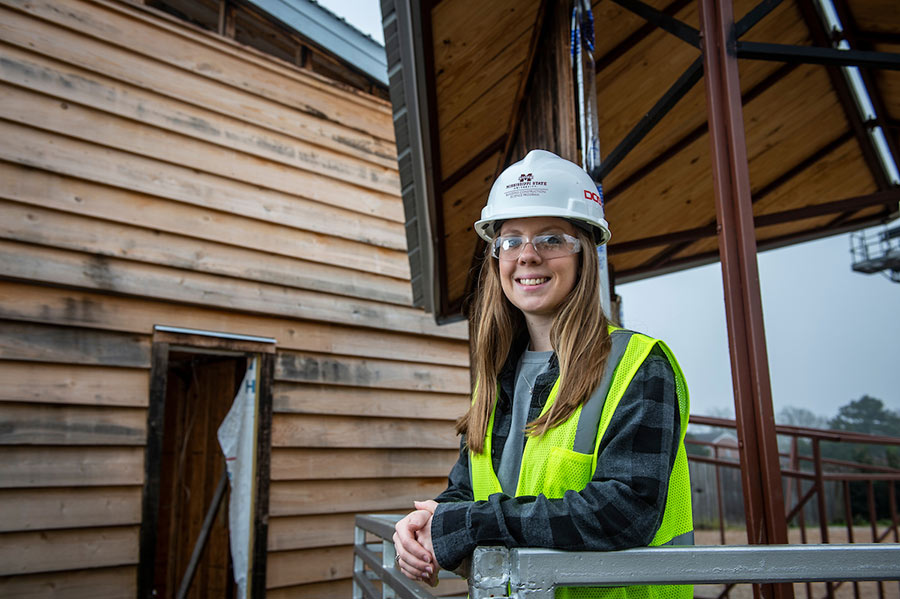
816 489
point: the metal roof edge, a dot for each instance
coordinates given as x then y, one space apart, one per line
326 30
403 42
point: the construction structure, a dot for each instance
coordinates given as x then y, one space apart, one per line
792 136
190 184
183 186
877 252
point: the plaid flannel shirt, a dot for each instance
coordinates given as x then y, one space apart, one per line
621 507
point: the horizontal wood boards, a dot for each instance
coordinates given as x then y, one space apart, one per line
100 583
155 174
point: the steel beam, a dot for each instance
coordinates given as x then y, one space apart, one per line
682 86
687 236
677 264
814 55
760 471
668 23
757 14
678 89
851 34
693 135
635 38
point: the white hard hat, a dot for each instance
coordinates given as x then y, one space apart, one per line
543 184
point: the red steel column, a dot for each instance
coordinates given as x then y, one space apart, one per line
760 468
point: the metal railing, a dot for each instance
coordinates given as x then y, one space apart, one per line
535 573
805 485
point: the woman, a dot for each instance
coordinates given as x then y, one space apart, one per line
574 438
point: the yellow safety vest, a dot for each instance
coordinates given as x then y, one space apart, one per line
552 464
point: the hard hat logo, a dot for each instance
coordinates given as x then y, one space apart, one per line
543 184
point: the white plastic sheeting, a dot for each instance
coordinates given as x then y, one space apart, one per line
237 437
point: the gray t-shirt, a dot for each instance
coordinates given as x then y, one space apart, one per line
531 365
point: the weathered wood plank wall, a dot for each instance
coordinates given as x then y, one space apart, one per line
153 173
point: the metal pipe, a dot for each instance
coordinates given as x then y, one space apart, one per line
764 500
848 516
892 498
820 503
873 519
535 573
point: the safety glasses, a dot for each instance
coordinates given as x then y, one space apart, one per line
547 245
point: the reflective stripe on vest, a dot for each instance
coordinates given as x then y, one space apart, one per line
565 457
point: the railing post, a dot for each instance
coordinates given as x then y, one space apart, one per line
873 519
359 538
848 516
820 502
489 574
719 498
388 560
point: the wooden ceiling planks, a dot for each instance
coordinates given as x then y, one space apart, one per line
783 127
800 149
480 52
876 15
789 121
678 198
646 72
690 113
462 207
609 39
840 174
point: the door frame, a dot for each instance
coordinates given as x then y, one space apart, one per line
165 340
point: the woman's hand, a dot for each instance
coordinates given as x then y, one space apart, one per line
412 541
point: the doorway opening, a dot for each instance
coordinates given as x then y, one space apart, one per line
185 548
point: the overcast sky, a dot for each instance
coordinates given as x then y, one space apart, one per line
832 334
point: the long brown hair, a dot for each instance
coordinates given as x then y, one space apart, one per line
579 336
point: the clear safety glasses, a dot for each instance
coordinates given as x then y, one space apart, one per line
548 246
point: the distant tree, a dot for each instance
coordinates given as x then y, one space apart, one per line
794 416
866 415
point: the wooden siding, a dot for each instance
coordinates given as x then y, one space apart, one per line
153 173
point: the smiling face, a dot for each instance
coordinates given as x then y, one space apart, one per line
534 285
